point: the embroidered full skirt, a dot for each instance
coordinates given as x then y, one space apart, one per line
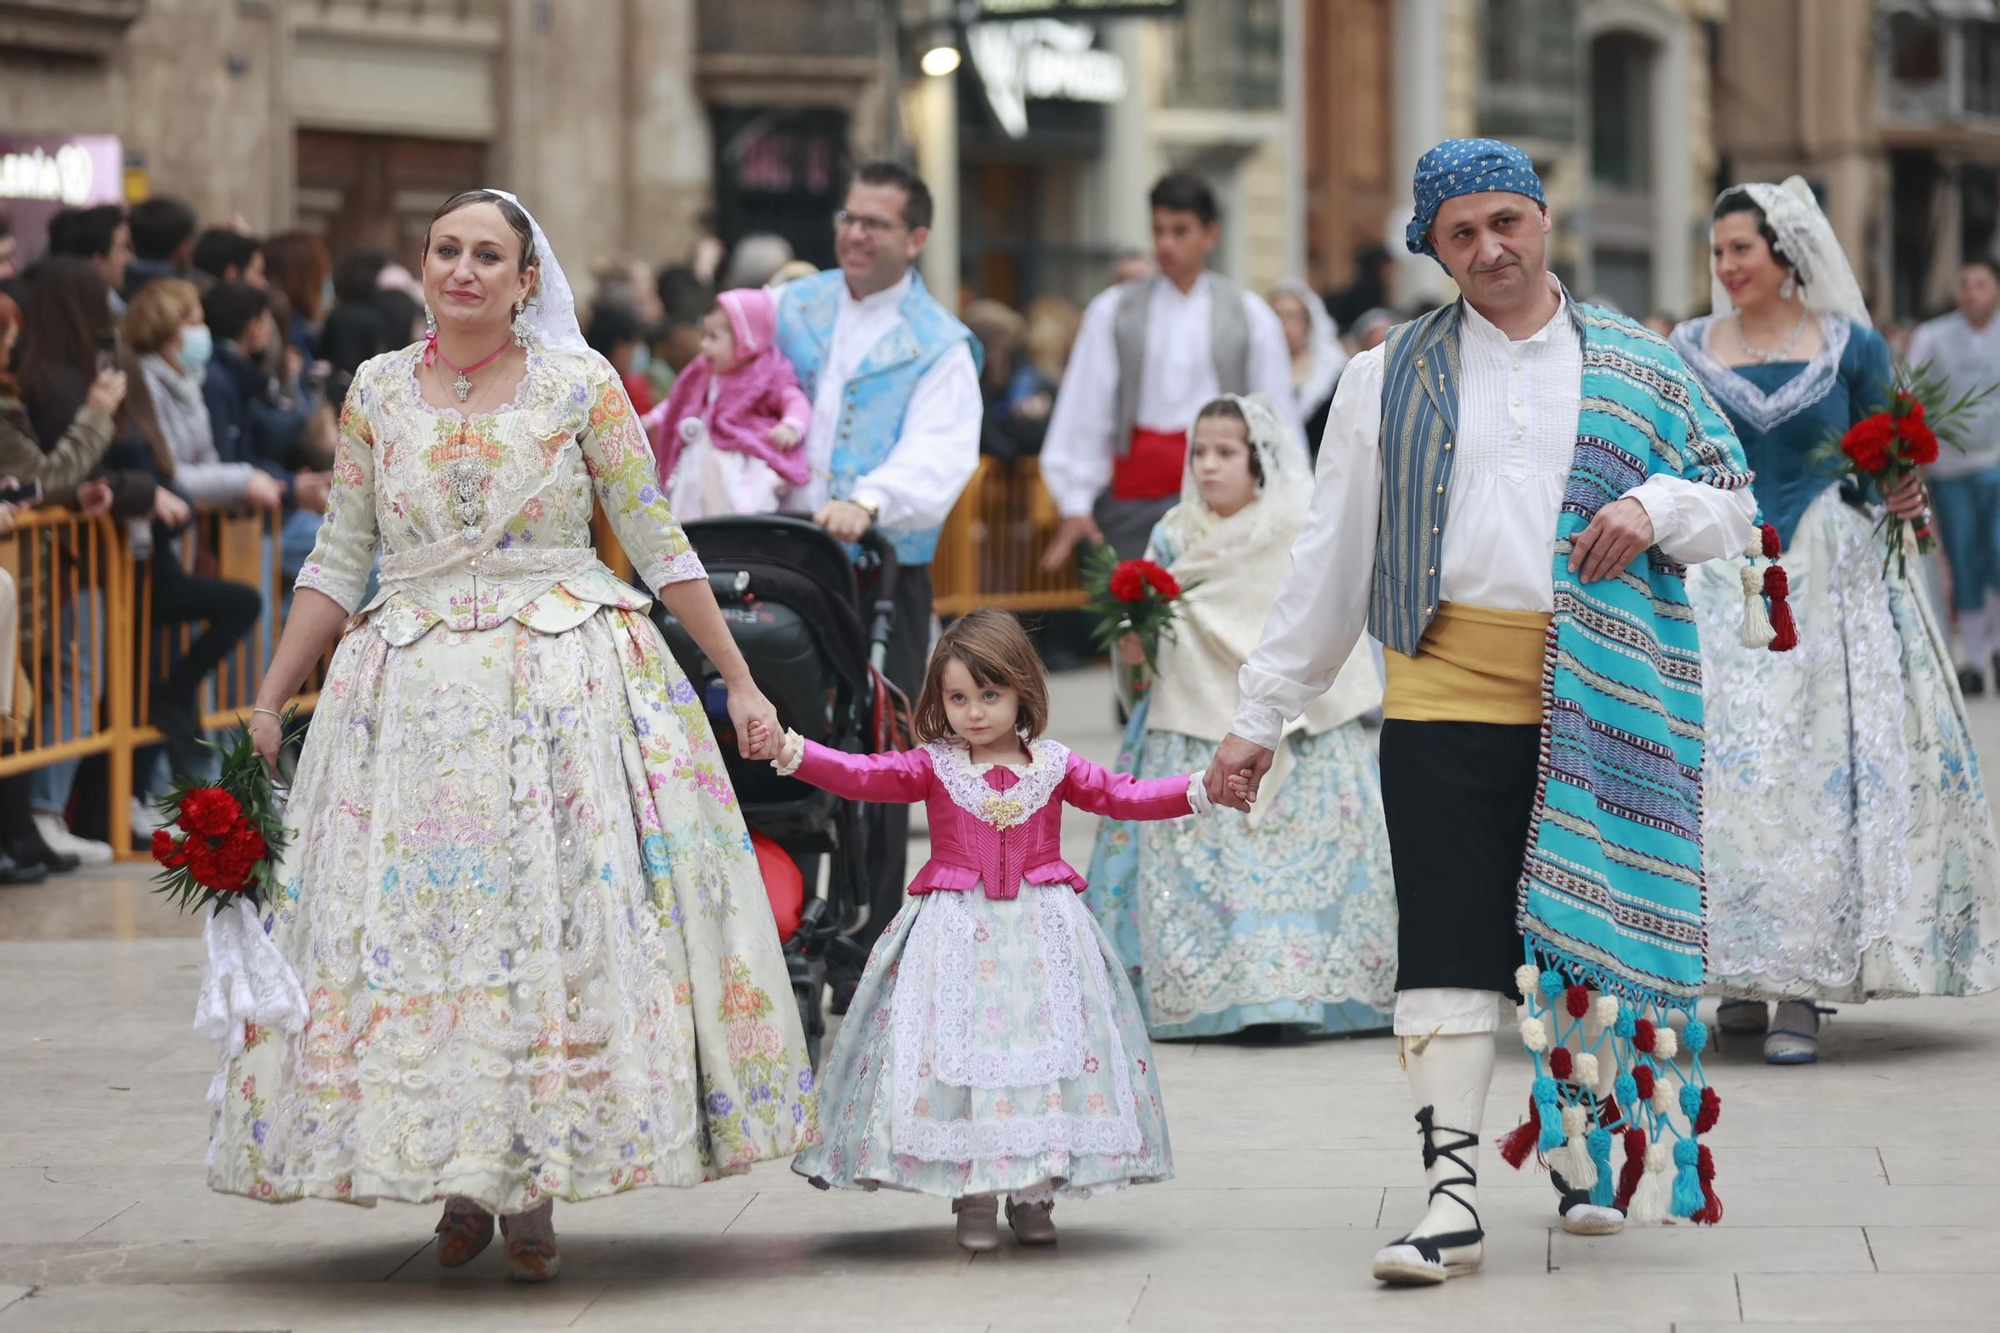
522 904
1226 923
992 1046
1849 847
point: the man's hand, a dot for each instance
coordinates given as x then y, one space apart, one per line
1621 530
1235 772
1072 530
844 519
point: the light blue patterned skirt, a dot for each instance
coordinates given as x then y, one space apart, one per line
1224 924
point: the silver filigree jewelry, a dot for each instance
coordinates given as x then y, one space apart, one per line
465 478
1788 287
521 324
1743 337
430 326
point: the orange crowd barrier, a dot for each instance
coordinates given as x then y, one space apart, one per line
991 549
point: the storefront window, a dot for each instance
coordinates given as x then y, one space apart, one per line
1620 111
1230 55
1528 55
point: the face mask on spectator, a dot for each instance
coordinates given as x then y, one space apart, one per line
197 347
641 359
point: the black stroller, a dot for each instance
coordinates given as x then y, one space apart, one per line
797 605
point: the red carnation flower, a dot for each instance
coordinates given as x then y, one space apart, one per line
1163 583
1920 443
1868 441
245 845
1128 581
204 862
167 850
209 811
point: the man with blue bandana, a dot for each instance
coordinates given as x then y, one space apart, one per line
1507 493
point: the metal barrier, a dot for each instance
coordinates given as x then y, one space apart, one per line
990 551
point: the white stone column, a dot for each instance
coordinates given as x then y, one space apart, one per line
1295 140
937 162
1128 163
1419 99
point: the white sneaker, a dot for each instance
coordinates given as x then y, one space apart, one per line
57 835
146 818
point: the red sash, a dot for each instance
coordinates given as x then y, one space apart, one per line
1152 469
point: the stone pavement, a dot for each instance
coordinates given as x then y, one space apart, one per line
1864 1192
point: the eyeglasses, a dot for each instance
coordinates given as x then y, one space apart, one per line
842 220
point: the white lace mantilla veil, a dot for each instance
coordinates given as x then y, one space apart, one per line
1826 281
552 306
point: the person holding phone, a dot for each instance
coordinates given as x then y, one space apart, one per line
57 473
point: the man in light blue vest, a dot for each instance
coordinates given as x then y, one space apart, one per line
894 383
1507 495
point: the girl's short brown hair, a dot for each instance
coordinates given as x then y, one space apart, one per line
994 650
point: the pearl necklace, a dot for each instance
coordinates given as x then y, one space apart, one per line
1759 353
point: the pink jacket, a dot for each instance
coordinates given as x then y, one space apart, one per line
761 391
997 827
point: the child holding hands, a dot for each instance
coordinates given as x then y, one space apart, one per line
993 1046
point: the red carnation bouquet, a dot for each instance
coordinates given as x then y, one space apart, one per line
1135 596
223 839
1892 444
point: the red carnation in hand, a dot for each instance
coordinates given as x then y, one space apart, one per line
167 850
1868 443
1920 443
1128 581
1163 583
245 844
210 812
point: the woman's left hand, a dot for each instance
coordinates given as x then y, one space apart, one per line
747 705
1907 499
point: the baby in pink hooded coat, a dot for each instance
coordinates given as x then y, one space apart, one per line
727 438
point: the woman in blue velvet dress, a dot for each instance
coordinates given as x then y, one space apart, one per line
1850 852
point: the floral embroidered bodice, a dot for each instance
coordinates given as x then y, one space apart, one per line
994 825
484 518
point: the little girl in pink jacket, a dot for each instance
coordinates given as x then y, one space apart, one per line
994 1045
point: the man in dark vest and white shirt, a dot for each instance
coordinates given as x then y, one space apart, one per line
1149 354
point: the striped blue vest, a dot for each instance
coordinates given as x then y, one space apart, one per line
878 393
1419 435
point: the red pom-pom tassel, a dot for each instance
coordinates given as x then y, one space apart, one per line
1635 1167
1786 628
1560 1062
1777 585
1642 1077
1769 535
1516 1144
1577 999
1711 1111
1642 1036
1711 1209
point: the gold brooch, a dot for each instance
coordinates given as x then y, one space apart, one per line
1002 811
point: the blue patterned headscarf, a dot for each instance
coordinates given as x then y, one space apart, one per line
1465 166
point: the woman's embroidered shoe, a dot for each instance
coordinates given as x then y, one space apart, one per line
1033 1223
462 1234
532 1260
978 1222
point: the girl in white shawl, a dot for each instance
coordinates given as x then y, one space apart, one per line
1286 916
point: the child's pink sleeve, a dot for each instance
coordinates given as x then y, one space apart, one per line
902 776
1122 796
794 408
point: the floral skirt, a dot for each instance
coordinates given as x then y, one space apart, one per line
538 959
992 1046
1848 845
1232 922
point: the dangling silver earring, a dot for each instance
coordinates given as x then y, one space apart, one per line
1788 287
430 325
521 324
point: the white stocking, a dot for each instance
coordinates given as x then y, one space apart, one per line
1451 1075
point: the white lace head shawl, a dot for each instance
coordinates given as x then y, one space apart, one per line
1826 281
552 304
1329 358
1204 540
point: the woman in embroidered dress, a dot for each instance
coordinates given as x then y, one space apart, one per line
993 1046
1850 853
536 958
1287 915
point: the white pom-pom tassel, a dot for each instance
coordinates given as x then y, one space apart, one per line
1607 1010
1648 1206
1534 1036
1579 1170
1527 978
1584 1071
1665 1099
1757 631
1666 1044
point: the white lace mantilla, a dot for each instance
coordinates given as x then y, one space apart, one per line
1765 411
965 783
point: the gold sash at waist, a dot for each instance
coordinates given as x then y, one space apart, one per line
1475 664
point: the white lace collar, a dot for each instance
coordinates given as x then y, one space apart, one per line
1765 411
965 783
